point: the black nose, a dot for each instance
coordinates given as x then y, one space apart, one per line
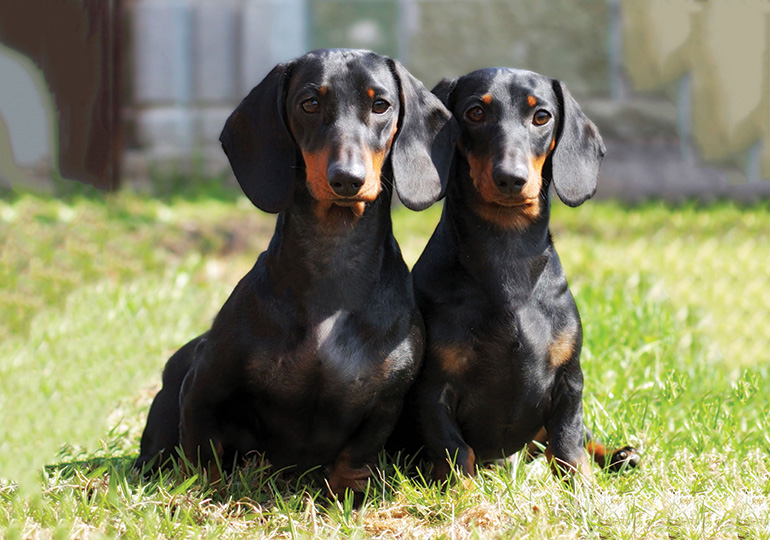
510 181
346 180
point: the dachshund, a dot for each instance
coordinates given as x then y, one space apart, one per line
502 362
309 359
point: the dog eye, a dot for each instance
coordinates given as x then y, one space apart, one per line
311 106
380 106
541 118
475 114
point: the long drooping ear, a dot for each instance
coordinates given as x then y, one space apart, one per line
259 146
443 90
578 153
421 154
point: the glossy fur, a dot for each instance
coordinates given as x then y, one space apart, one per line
502 364
309 359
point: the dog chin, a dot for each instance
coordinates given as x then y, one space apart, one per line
356 206
516 203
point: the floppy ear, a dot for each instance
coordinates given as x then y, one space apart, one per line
443 90
421 154
261 151
578 153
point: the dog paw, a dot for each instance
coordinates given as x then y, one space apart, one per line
623 459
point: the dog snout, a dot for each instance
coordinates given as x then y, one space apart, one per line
346 179
510 180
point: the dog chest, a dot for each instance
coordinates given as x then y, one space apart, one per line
340 357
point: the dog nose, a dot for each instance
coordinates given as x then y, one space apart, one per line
510 181
346 180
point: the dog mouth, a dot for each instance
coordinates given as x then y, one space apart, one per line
516 202
348 202
357 206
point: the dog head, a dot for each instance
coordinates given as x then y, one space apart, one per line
342 117
520 131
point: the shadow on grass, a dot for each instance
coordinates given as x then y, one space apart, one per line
253 482
253 489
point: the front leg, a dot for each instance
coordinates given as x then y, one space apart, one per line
199 430
161 434
444 443
564 424
353 466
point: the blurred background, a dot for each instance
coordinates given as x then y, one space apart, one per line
105 92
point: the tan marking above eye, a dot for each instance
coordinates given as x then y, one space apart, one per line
487 98
531 101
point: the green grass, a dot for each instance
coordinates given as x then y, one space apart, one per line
95 293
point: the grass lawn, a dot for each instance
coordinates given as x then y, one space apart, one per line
96 293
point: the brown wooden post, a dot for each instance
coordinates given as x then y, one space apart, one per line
77 47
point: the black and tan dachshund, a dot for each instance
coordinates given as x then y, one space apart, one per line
310 358
502 363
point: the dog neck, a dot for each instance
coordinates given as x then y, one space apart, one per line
335 259
495 254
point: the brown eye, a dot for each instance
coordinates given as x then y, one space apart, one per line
311 106
475 114
380 106
541 118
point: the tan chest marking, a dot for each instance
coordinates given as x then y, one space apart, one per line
563 346
454 359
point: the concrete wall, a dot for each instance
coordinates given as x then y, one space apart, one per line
680 89
193 60
683 103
